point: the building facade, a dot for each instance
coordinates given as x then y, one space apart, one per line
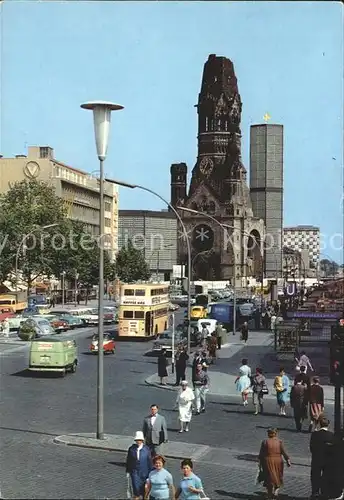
218 185
303 238
266 189
78 189
153 232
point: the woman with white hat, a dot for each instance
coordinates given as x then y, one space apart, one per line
184 401
138 466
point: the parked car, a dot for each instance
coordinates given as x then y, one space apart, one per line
173 307
73 320
88 315
109 316
57 322
35 327
109 345
165 342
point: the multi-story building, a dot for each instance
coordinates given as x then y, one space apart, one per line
79 189
153 232
303 238
266 189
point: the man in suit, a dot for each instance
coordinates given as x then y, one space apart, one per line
299 402
322 447
303 378
155 430
138 465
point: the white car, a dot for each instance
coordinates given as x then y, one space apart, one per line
89 316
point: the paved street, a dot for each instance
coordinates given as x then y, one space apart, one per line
34 410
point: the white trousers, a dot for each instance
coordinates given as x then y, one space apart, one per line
200 396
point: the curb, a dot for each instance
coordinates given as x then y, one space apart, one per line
200 450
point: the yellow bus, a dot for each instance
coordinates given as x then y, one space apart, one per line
143 310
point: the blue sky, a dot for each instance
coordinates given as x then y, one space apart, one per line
149 56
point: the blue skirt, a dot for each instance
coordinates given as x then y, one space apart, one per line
243 383
138 483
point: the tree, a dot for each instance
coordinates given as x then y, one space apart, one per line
25 209
78 257
131 265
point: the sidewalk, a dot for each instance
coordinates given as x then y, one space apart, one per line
172 449
259 351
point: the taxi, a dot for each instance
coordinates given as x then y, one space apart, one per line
109 345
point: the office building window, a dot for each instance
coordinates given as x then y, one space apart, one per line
107 222
107 206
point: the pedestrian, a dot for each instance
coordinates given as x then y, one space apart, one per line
258 388
190 486
323 465
299 403
159 485
219 333
271 463
201 386
155 430
212 343
257 319
244 332
303 378
316 403
162 367
273 322
184 402
138 465
304 361
204 334
281 386
243 381
198 359
182 358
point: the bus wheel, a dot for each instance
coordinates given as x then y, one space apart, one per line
165 327
73 367
156 329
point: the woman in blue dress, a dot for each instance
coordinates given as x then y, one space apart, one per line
243 382
138 465
281 386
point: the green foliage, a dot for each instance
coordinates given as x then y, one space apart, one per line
131 265
24 210
68 247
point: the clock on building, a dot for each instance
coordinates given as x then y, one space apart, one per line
206 166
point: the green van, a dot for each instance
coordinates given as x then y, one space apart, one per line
53 355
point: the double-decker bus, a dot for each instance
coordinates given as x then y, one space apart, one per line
143 310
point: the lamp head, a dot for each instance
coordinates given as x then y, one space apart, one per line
102 118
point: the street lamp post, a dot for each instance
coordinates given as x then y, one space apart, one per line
24 238
137 186
102 119
63 274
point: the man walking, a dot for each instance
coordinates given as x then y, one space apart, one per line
155 430
201 385
316 403
299 402
244 332
322 446
303 378
219 332
181 361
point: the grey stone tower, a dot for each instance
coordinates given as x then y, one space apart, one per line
266 189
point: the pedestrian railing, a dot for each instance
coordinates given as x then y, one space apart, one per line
287 337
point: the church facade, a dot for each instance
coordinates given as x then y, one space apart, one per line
226 239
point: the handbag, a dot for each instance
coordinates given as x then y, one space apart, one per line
265 389
204 496
260 478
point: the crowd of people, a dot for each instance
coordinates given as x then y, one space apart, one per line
147 475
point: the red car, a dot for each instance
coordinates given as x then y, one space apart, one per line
109 345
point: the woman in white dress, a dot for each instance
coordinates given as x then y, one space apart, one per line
184 402
243 381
